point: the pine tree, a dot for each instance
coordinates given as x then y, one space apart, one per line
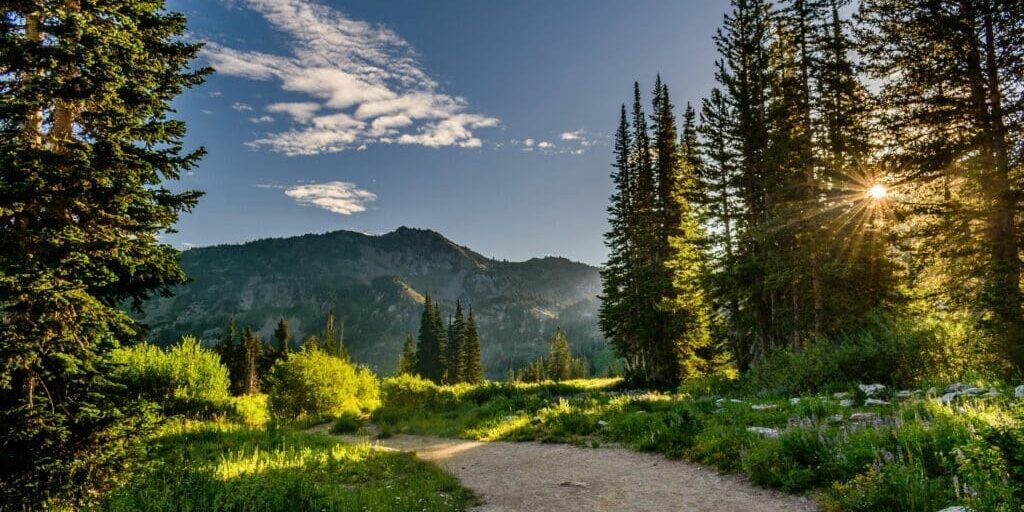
457 347
685 302
473 366
559 361
948 73
282 338
407 359
430 351
617 287
743 74
249 363
332 341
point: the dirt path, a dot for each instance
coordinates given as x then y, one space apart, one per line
537 477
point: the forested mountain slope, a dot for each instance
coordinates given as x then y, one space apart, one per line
376 285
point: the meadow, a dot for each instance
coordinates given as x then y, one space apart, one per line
885 450
211 465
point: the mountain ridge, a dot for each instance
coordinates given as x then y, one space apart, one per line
376 284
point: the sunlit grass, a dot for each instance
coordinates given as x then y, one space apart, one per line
944 453
200 466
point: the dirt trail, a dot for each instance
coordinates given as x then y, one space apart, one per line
535 477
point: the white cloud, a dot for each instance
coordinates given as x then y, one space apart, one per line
241 107
338 197
300 111
362 84
570 143
261 119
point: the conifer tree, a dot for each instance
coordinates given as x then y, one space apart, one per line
430 351
617 286
250 358
457 347
473 366
559 361
951 99
407 359
282 338
86 143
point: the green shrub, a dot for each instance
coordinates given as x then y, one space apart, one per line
250 410
314 384
185 378
347 423
903 352
411 391
891 488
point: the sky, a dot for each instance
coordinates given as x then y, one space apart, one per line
487 121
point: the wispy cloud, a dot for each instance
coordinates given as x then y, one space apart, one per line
362 82
339 197
569 143
241 107
261 119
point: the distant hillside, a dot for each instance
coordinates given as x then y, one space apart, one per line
376 285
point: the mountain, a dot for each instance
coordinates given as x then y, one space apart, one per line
376 285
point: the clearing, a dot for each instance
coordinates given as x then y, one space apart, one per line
541 477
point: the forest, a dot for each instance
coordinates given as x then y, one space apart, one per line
813 280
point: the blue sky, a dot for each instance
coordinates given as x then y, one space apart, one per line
487 121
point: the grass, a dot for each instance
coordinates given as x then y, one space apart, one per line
915 455
206 466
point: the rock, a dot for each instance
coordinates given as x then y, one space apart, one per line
794 401
973 391
871 389
846 403
763 407
602 423
905 393
958 508
840 395
957 387
735 401
508 418
992 393
579 485
947 398
764 431
875 401
1019 391
836 418
864 417
933 391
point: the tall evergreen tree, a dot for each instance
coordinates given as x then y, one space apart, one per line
617 275
430 352
250 357
282 338
951 99
559 361
457 347
743 74
85 146
473 365
407 359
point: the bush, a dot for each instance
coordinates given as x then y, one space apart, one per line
314 384
347 424
250 410
903 352
183 379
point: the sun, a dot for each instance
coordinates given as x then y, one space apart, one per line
877 191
